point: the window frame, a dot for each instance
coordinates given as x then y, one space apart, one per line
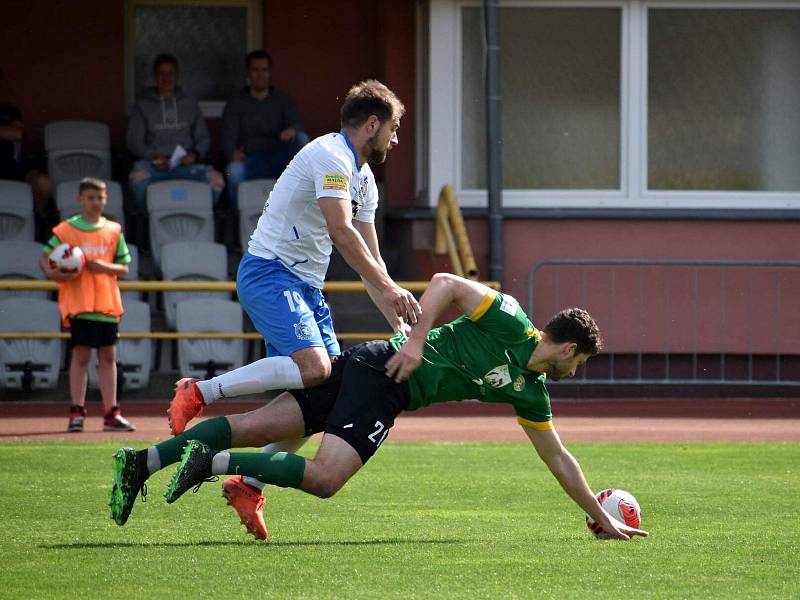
210 109
445 110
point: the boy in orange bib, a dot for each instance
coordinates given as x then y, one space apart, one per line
90 302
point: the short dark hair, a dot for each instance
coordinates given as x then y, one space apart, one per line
367 98
92 183
258 55
575 325
165 59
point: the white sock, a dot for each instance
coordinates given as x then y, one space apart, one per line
273 373
220 462
153 460
286 446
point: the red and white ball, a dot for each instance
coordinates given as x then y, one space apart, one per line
619 504
68 258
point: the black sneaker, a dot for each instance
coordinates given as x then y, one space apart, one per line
193 471
77 416
130 474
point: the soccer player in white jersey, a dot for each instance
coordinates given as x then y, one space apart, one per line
327 195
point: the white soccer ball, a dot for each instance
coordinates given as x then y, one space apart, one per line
619 504
68 258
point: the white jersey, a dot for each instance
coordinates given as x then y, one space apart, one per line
292 227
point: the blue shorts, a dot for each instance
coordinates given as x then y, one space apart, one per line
289 313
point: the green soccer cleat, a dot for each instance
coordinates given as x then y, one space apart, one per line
129 480
193 470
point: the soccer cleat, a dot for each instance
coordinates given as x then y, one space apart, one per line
187 403
193 470
114 421
77 416
248 503
129 479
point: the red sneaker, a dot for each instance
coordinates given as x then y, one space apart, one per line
186 405
114 421
77 415
249 504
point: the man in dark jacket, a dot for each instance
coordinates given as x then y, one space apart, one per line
261 128
163 120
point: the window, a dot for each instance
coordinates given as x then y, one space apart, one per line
723 100
621 104
210 39
560 87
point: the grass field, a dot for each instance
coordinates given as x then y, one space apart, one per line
421 521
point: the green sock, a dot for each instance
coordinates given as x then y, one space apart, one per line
277 468
215 432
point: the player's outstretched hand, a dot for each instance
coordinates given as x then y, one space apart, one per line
621 531
403 303
403 363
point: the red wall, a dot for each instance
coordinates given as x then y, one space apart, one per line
64 60
753 318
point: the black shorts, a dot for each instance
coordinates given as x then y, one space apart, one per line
359 402
95 334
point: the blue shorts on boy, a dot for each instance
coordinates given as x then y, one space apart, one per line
290 314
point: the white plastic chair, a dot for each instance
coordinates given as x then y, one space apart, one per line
16 211
77 149
180 211
27 363
19 259
196 355
191 261
68 204
252 196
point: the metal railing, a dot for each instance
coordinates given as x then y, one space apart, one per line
682 291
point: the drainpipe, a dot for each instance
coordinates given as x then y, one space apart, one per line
494 167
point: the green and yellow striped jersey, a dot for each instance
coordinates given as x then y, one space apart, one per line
483 356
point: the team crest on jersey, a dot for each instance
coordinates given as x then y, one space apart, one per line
359 194
498 377
302 331
335 182
519 383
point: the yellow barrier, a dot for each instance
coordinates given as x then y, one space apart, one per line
451 235
195 286
205 286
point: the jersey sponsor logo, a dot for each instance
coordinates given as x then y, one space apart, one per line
498 377
302 331
335 182
92 250
509 305
519 383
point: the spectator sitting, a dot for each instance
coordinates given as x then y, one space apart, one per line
261 128
12 165
161 120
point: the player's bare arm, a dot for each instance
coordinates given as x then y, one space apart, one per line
568 472
103 266
443 290
367 231
351 245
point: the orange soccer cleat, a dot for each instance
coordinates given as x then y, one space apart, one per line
187 403
249 504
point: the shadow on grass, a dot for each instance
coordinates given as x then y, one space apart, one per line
386 542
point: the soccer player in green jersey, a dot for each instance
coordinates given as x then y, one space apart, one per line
492 353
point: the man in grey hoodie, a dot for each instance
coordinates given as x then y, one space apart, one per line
261 128
162 119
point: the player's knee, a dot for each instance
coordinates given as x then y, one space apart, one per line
316 373
326 486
